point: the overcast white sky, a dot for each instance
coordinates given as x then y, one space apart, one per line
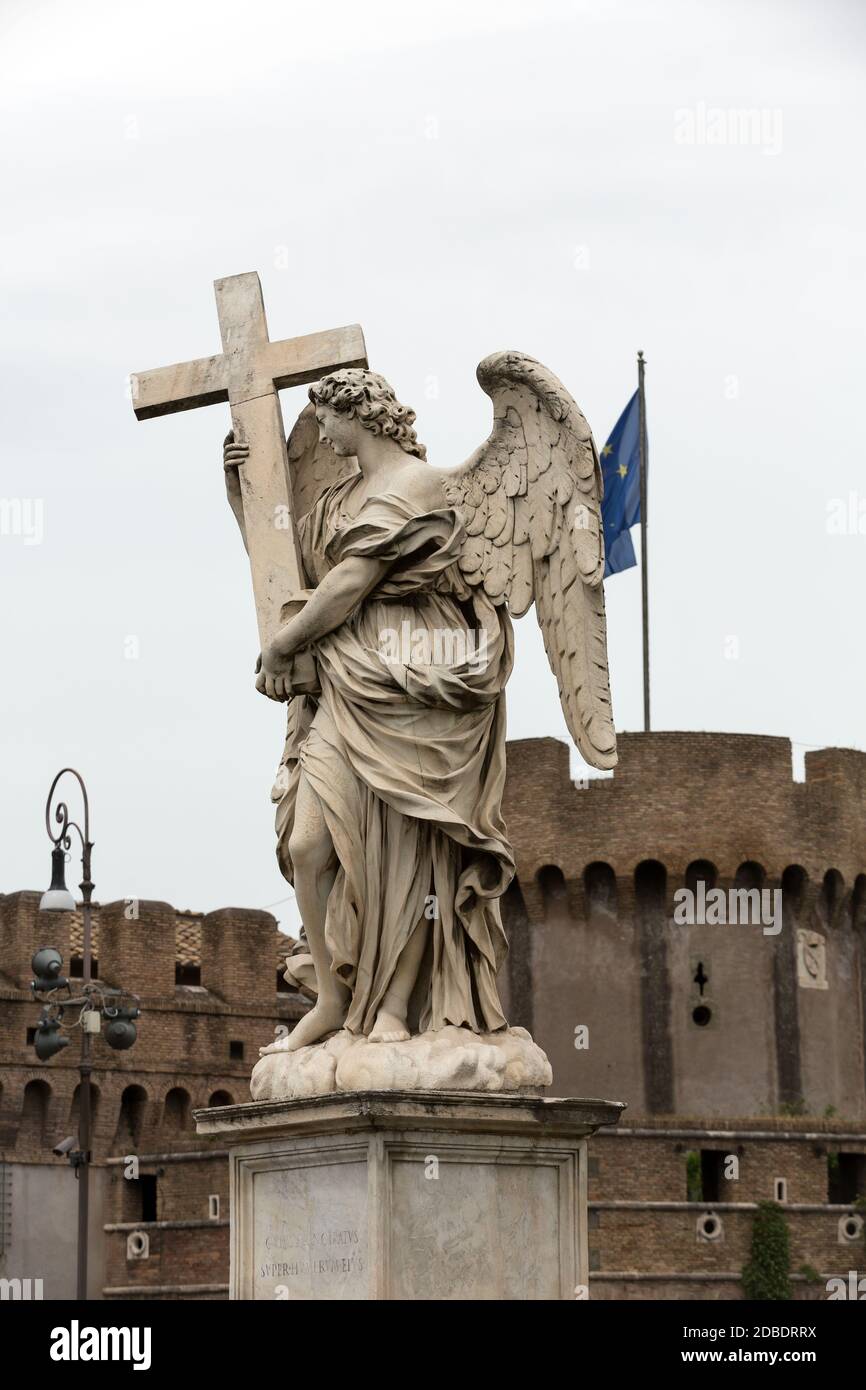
459 178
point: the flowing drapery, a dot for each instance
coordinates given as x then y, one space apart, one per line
405 749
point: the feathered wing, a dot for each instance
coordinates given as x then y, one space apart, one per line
530 499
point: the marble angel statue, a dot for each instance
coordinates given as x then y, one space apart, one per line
389 819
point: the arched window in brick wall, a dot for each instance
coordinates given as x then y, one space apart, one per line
749 882
794 883
553 891
858 903
599 886
131 1119
750 875
701 871
33 1133
177 1104
221 1098
831 895
650 885
76 1100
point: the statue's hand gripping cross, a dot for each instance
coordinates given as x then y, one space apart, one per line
248 374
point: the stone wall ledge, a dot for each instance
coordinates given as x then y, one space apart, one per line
191 1156
418 1110
164 1290
834 1136
191 1225
825 1208
674 1276
182 1003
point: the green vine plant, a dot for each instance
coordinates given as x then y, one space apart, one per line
694 1180
793 1108
767 1276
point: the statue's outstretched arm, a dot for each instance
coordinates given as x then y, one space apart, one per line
329 605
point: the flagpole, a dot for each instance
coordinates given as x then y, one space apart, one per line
644 465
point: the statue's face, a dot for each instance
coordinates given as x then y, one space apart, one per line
338 430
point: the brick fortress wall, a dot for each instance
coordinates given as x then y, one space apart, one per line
594 943
208 985
771 1070
723 1040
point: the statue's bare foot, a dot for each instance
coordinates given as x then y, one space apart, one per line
327 1016
390 1026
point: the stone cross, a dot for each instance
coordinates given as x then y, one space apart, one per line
249 373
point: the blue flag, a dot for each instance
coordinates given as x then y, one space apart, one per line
620 509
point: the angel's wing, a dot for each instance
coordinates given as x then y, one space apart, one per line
313 466
530 499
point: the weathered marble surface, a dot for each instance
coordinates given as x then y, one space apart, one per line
389 817
385 590
408 1196
451 1059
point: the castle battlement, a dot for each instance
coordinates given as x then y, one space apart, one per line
680 797
697 1016
690 1024
149 947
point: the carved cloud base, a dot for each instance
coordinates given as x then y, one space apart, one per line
416 1195
451 1059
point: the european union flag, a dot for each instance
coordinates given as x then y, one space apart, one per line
620 508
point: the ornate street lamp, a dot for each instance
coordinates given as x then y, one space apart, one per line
95 1001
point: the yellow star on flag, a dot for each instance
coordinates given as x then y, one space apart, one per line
606 450
622 470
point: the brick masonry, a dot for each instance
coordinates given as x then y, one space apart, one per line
144 1097
775 1076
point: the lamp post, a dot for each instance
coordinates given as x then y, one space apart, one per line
96 1000
59 899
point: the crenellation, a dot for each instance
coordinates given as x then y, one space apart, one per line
598 970
22 932
137 946
237 962
676 797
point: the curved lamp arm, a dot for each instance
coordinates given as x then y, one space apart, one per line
61 816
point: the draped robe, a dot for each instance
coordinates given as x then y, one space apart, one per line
405 748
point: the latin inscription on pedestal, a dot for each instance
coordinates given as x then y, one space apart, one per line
310 1232
406 1196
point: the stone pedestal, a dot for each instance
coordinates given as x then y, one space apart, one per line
408 1195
